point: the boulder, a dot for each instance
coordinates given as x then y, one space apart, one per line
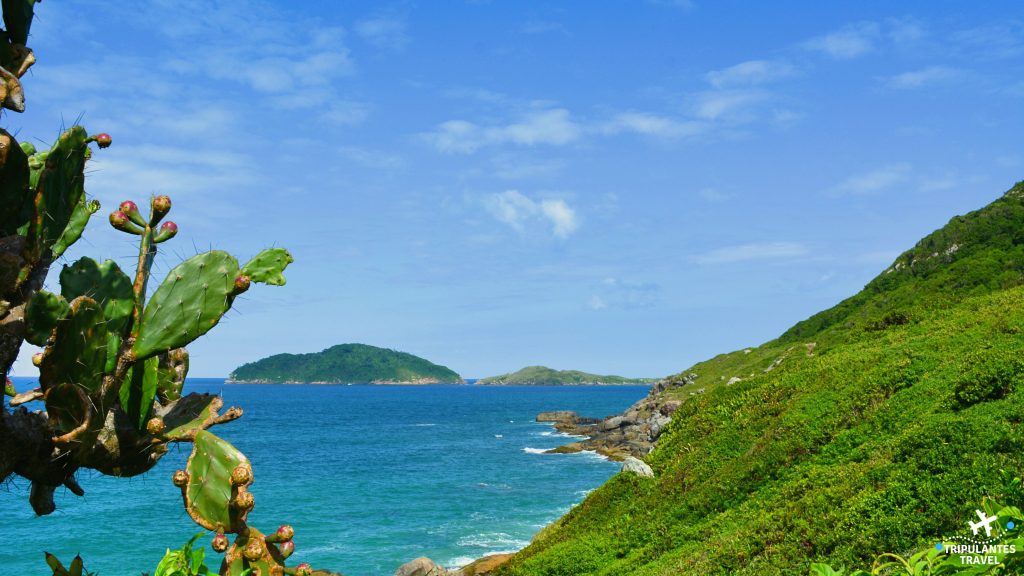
733 380
485 565
421 566
669 408
638 467
557 416
611 423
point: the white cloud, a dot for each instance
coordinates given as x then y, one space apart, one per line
750 73
596 303
387 32
753 251
549 126
521 213
849 42
919 78
719 104
873 181
652 125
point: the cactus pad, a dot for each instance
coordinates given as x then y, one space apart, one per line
76 225
171 375
78 353
15 195
60 188
66 407
105 283
138 391
193 413
189 302
268 265
18 19
209 493
44 311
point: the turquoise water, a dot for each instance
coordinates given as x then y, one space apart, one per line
369 476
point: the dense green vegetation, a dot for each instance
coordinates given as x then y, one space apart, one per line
875 426
346 363
544 376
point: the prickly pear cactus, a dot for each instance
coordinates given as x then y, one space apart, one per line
215 489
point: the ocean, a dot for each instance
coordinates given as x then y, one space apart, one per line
370 477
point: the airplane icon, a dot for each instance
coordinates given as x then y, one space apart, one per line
983 522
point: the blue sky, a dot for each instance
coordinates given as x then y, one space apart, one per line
617 187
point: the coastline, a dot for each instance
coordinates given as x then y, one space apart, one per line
417 382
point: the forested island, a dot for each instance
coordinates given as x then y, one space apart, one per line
345 364
544 376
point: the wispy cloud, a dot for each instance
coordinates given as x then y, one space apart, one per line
752 251
388 32
624 294
521 213
847 43
750 73
652 125
923 77
873 181
547 126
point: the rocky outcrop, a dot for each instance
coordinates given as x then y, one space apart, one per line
630 434
638 467
422 566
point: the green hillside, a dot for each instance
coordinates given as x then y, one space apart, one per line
544 376
875 426
346 363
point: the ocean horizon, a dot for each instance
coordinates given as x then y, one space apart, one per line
369 476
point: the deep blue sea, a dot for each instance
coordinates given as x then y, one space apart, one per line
369 476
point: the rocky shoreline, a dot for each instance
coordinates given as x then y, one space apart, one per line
630 434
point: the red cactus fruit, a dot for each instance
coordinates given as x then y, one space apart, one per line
104 140
167 231
219 543
131 210
37 359
120 221
304 569
242 283
253 550
287 548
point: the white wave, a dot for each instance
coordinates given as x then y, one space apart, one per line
423 425
498 436
593 454
492 540
458 562
529 450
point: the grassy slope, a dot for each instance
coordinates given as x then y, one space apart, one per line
544 375
355 363
875 442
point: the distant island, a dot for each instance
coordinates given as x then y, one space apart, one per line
345 364
544 376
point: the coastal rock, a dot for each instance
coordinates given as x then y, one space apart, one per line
422 566
669 408
638 467
484 566
557 416
611 423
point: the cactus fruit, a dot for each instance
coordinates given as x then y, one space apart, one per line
120 221
167 231
283 534
286 549
189 302
103 140
37 359
159 206
267 266
9 388
242 283
219 543
131 211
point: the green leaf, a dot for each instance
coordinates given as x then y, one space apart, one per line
268 266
